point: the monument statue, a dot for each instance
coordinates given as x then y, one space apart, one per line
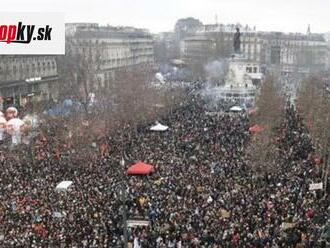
237 41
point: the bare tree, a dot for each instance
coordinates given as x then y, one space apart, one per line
312 106
262 153
313 103
78 69
270 104
134 97
262 149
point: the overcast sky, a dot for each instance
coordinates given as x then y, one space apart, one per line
161 15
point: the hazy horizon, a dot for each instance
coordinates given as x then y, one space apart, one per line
160 16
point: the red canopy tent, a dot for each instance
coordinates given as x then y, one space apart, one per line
256 129
140 168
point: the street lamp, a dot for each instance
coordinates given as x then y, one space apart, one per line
124 210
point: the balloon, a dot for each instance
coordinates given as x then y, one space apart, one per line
3 123
11 113
14 127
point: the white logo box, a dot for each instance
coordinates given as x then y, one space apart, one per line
46 25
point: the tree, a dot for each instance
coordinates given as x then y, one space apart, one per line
78 69
270 104
134 97
313 103
262 151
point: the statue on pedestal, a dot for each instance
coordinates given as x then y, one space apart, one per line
237 41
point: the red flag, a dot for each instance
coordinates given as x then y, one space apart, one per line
57 154
104 148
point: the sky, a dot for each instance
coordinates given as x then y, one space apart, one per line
161 15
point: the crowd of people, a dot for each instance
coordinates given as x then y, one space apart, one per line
202 193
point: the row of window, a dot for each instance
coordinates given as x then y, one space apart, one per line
44 66
252 69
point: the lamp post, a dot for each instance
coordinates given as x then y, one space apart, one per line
124 210
326 162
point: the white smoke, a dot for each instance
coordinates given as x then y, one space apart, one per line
216 72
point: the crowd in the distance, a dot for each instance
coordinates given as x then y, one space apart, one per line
202 193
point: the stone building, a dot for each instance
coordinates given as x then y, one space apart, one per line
294 53
199 47
217 42
280 52
112 48
24 78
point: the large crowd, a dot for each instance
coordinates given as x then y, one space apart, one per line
202 193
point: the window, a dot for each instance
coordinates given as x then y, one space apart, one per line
249 69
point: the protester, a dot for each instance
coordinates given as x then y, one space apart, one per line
202 193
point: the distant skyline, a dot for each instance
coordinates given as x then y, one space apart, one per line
161 15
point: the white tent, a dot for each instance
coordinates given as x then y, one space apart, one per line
64 185
159 127
235 109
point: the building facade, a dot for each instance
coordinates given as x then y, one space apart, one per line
216 41
294 53
281 52
113 48
198 48
24 78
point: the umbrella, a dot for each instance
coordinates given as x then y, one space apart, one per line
140 169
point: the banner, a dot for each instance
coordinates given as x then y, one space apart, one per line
315 186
